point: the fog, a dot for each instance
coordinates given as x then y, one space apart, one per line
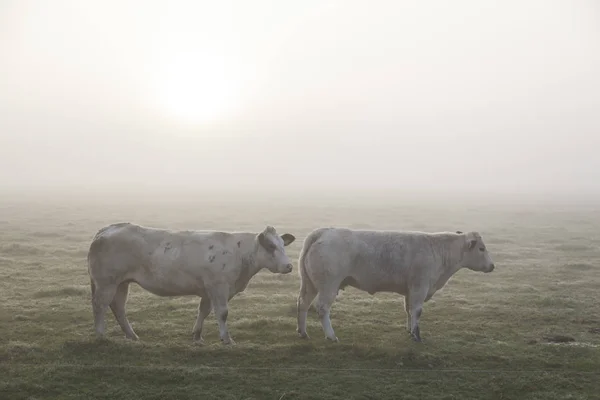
458 98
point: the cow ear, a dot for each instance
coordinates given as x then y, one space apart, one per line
262 240
288 239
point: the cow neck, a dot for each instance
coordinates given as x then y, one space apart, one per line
248 269
451 262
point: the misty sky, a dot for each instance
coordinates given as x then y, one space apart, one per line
463 96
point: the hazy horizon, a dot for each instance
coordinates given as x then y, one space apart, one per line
459 98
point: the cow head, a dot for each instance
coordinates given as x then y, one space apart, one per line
476 256
271 250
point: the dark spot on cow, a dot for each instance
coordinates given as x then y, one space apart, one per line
211 258
167 246
224 265
459 232
223 315
239 243
211 247
224 252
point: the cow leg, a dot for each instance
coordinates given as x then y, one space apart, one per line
219 301
101 299
416 300
118 308
307 294
203 312
324 302
407 309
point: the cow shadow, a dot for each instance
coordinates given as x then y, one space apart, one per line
290 353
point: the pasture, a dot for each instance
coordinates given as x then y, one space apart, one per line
530 329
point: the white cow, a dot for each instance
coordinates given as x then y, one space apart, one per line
413 264
213 265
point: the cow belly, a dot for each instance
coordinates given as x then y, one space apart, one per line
370 285
178 285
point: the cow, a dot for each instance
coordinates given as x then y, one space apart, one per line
411 263
212 265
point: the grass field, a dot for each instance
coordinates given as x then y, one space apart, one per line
485 335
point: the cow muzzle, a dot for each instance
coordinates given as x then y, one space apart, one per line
287 269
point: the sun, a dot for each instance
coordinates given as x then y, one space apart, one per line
196 89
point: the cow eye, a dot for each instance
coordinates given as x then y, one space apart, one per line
482 249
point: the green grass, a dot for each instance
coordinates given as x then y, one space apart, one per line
485 335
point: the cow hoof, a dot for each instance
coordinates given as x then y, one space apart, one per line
334 339
228 342
303 335
134 338
417 339
199 341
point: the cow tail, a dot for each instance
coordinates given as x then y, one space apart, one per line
308 242
92 258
